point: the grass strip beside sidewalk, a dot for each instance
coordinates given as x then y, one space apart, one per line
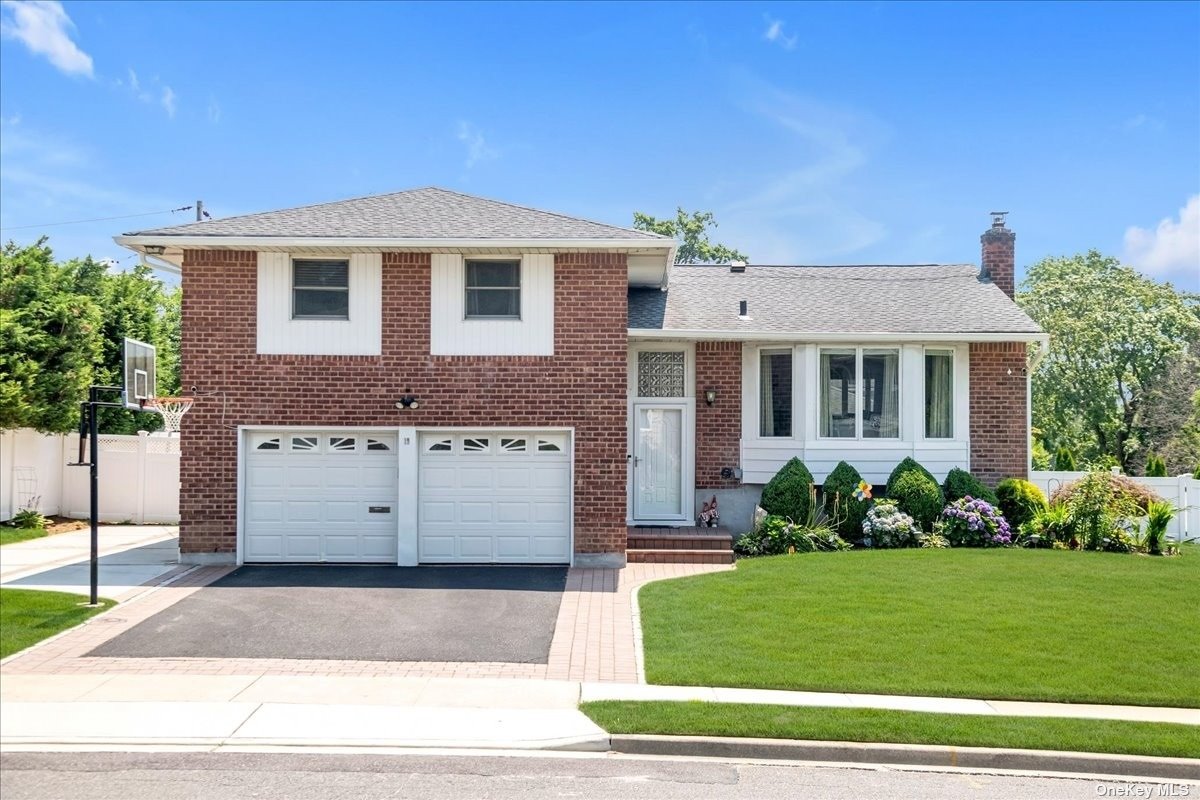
27 616
697 718
13 535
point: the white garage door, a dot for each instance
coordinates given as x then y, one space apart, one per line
328 496
493 498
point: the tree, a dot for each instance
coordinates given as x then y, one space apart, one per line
1113 334
691 231
63 326
51 335
1168 421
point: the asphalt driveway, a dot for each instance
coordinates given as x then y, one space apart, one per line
358 613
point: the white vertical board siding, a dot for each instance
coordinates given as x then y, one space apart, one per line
873 458
451 334
358 336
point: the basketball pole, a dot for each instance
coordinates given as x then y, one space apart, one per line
90 408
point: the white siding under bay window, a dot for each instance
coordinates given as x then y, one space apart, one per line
279 333
862 445
452 334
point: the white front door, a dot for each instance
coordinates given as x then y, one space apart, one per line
658 469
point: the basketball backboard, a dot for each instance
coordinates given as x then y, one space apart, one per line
138 373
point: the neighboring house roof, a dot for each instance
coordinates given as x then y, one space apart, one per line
428 213
922 299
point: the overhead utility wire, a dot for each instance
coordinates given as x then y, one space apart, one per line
96 219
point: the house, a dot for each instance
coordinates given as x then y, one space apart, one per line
430 377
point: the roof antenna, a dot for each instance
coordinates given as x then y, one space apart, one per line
201 214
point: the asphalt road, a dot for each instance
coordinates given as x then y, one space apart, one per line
358 613
229 776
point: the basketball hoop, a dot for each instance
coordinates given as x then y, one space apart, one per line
172 410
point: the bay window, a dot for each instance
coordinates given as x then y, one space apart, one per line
939 394
860 393
775 393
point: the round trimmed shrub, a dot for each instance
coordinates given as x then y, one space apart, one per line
1020 500
919 496
840 505
1123 491
909 464
788 493
960 483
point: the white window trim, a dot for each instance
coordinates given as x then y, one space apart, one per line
293 258
520 287
858 377
954 421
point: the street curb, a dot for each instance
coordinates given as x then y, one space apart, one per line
910 755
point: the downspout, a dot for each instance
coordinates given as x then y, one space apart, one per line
1043 347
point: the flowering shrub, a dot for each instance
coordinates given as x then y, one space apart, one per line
887 526
975 523
776 535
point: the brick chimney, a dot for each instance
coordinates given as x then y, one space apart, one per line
998 262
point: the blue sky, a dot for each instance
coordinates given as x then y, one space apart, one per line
823 133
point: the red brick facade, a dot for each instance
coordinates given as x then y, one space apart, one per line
999 422
582 385
719 426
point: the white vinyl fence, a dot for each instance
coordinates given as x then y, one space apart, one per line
139 477
1182 492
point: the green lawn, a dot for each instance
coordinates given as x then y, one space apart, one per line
903 727
29 615
10 535
996 624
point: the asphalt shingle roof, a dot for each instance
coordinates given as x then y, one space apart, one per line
429 213
829 300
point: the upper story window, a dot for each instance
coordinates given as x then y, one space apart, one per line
320 288
493 289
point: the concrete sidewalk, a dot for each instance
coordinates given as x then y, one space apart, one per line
130 557
351 711
231 710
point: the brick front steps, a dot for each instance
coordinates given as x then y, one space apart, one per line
657 545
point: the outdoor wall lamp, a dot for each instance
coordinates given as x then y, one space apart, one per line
710 396
154 249
408 401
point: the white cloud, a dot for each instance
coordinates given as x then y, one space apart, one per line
1143 121
799 207
136 87
775 34
44 27
1172 247
478 149
168 101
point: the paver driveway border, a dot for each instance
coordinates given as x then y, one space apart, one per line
596 636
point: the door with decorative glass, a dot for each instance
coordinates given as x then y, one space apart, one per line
659 441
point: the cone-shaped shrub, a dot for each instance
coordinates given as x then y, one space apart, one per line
960 483
919 496
1156 467
840 505
1063 460
787 494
